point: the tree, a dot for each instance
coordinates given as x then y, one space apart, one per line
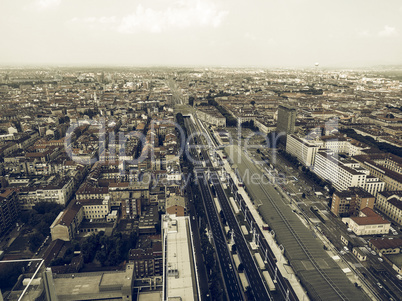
35 240
43 228
101 256
240 268
9 273
234 248
303 195
252 102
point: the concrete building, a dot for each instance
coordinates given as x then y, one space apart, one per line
335 143
59 193
211 115
148 261
305 151
180 280
286 119
344 174
390 203
391 178
96 286
95 208
66 225
368 223
9 209
176 204
350 202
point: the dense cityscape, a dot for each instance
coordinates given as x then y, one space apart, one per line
200 183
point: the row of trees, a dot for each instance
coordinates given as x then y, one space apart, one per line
308 173
250 125
40 219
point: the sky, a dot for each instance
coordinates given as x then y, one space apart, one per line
257 33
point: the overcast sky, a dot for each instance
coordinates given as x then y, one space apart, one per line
201 32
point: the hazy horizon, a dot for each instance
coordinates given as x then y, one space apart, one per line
201 33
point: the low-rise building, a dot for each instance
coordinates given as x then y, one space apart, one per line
361 255
386 245
368 223
66 225
116 285
176 204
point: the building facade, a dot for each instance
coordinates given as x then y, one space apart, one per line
350 202
286 119
8 209
390 203
304 151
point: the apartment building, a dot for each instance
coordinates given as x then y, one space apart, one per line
350 202
95 208
211 115
305 151
59 192
391 178
344 174
8 209
390 203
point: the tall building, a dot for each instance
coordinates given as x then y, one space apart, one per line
303 150
286 119
8 209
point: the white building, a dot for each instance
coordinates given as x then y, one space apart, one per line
368 223
60 193
179 263
345 174
305 151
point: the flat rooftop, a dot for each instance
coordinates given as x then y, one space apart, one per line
179 267
94 286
